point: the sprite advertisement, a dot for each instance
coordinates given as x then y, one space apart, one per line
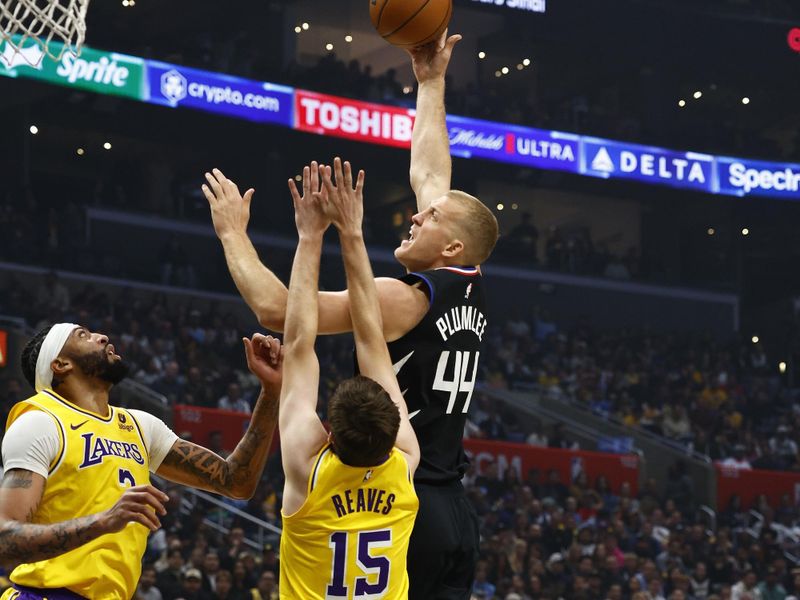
93 70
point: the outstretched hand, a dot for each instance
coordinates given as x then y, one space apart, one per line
310 214
264 355
343 203
230 211
430 61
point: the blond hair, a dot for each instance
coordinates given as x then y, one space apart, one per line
477 226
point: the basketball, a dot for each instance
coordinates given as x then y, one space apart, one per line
410 23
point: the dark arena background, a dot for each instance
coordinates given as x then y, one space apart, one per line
633 427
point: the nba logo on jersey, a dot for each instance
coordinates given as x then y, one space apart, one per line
368 475
469 291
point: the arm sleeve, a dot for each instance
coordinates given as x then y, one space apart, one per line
31 443
157 436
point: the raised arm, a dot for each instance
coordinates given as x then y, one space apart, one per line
302 433
431 166
24 542
238 475
266 295
373 355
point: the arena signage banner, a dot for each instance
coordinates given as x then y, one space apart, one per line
537 6
174 86
93 70
522 458
537 148
364 121
748 484
741 177
608 159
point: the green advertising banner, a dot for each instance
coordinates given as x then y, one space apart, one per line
93 70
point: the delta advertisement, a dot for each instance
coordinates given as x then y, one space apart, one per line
176 86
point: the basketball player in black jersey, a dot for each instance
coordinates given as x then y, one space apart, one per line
434 319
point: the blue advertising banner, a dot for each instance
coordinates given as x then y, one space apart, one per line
742 177
616 160
173 85
550 150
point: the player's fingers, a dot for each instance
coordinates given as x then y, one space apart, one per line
314 176
337 171
360 181
248 197
156 492
144 516
327 183
208 194
452 41
306 180
248 349
348 175
147 498
215 185
293 191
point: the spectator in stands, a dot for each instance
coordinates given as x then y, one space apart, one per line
234 400
193 587
746 588
481 586
738 460
523 241
770 588
170 580
267 588
699 582
147 589
52 294
171 383
782 445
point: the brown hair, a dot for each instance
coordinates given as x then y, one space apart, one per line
477 226
363 420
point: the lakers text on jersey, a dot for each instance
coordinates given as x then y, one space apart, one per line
99 457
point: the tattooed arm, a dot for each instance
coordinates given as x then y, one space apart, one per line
239 474
23 542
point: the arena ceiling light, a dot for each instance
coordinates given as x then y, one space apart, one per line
298 29
328 46
80 151
745 231
782 367
745 100
698 94
348 38
107 145
681 103
481 54
305 26
526 62
711 231
33 129
754 339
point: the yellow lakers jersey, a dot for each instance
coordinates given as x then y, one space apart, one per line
350 538
99 457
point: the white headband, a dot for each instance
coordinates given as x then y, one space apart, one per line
51 347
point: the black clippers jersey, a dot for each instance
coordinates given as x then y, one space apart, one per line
437 364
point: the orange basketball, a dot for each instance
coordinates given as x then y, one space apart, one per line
410 23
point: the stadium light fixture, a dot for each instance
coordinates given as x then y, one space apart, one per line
698 94
498 74
33 129
681 103
520 67
745 231
298 29
305 26
500 206
711 231
754 339
504 70
348 38
782 367
80 151
481 54
328 46
745 100
526 62
107 145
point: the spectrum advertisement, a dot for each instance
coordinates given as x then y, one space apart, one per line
176 86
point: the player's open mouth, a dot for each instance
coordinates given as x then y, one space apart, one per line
110 350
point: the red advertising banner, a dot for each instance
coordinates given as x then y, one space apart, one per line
748 484
363 121
617 468
202 422
3 348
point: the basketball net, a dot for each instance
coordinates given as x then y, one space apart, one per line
56 27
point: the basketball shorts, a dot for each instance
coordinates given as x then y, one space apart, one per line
444 545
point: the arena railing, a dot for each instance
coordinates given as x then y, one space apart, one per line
659 452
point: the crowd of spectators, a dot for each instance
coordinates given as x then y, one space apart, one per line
544 539
728 401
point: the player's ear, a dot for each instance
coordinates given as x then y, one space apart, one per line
330 437
61 367
453 249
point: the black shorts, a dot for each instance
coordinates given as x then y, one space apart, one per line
444 544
